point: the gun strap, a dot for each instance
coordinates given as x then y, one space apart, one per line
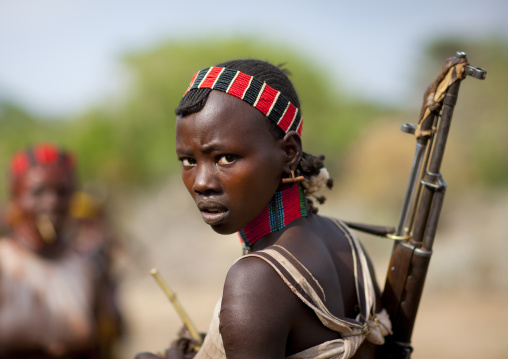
453 70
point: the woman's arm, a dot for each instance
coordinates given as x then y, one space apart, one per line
257 311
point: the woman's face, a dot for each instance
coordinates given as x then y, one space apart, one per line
231 164
44 193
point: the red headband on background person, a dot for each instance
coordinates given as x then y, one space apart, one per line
41 154
272 103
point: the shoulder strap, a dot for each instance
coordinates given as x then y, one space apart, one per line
290 269
304 285
363 279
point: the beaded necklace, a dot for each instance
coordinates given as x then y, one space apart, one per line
284 208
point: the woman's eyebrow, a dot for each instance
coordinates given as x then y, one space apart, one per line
184 152
214 146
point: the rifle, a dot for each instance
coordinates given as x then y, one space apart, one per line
416 229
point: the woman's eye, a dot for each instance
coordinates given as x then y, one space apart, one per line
187 162
226 159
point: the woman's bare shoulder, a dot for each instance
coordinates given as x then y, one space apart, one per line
253 284
257 311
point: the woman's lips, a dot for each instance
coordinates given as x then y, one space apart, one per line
214 218
213 213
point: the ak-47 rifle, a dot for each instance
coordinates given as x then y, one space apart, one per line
415 232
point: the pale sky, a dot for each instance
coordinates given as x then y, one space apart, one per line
61 56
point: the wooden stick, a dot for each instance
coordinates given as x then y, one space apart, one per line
172 298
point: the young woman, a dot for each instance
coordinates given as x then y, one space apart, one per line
56 295
304 288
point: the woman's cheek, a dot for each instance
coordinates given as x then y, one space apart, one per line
187 180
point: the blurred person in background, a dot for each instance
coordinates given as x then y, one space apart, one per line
57 293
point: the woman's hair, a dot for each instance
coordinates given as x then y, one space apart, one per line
276 77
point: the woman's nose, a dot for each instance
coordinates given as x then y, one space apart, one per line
51 198
55 199
206 180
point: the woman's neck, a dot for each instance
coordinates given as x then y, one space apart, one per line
28 236
285 207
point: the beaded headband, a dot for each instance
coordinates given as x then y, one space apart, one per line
41 154
272 103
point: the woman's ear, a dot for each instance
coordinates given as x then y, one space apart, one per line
292 146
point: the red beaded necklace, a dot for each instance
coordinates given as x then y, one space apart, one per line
284 208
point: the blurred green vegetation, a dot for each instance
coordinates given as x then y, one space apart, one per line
129 141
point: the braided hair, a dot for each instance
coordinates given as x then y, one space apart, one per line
311 167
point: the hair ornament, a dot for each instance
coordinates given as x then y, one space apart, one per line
40 154
316 183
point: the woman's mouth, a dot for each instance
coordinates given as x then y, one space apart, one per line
213 218
213 213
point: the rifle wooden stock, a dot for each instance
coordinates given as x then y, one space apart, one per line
401 296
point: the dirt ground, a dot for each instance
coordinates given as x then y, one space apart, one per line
463 312
466 325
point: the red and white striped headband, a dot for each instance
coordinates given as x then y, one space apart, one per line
272 103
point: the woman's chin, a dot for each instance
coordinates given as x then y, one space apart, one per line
224 229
